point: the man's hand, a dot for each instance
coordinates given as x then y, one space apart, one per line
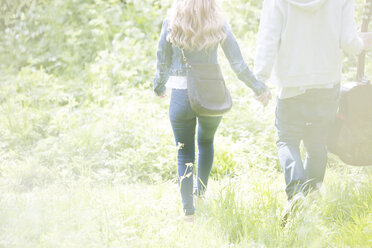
265 97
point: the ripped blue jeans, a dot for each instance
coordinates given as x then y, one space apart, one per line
184 121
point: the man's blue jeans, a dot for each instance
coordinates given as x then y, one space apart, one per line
305 118
184 120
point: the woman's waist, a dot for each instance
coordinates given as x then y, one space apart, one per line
177 82
178 71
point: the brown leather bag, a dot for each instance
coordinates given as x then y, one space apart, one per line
206 89
350 135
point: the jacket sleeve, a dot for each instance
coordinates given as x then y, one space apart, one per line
268 41
237 63
163 61
350 41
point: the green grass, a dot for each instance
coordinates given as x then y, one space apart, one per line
87 157
104 176
240 212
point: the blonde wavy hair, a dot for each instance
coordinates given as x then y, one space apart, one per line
196 24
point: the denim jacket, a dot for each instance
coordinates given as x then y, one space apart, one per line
170 61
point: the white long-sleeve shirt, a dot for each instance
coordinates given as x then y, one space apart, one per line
300 43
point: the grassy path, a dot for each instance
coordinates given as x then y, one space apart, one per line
240 212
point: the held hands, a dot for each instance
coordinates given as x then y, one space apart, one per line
265 97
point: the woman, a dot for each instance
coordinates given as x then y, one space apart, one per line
198 28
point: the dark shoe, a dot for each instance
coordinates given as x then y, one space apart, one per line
291 207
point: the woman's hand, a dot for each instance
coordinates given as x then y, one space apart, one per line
265 97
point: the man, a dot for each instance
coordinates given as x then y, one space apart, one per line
303 40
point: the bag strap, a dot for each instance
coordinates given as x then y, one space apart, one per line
183 56
367 17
